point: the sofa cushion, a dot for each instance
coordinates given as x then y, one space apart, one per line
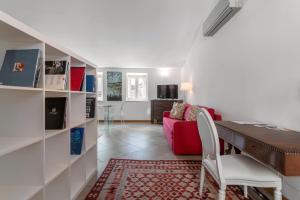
177 110
190 107
192 112
186 106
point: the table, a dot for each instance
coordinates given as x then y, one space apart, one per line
107 115
279 149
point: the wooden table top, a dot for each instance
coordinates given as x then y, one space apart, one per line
286 141
279 149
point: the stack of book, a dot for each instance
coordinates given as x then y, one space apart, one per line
56 74
90 107
77 78
76 140
55 112
21 68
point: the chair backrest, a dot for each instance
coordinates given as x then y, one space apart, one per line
210 139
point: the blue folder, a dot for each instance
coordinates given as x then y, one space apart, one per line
90 83
20 67
76 140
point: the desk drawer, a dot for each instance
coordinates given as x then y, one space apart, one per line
226 134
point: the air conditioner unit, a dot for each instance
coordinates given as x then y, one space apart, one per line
222 13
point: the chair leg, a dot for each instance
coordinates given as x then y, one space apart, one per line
202 177
245 191
222 192
277 194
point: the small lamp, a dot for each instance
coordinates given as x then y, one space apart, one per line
186 87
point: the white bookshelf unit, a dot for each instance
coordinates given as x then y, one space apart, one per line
36 164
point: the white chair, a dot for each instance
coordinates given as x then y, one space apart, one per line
231 169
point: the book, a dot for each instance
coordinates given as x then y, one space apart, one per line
56 74
55 112
90 107
76 139
90 83
20 68
77 78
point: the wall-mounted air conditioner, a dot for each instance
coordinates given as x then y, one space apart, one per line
222 13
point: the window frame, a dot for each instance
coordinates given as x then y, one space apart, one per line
146 99
100 74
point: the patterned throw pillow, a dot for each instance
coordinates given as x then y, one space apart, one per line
192 115
177 111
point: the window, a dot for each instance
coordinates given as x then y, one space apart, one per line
136 86
100 86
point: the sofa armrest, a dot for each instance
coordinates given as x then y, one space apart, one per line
166 114
185 128
182 129
218 117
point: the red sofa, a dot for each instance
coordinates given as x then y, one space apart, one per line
183 136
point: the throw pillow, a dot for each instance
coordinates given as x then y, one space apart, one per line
177 111
192 114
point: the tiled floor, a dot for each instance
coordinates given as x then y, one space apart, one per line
132 141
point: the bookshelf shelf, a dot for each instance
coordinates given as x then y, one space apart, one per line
52 133
36 163
90 93
58 188
11 144
77 124
7 87
56 171
24 192
74 158
89 146
78 92
57 91
88 120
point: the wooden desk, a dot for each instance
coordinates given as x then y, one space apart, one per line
278 149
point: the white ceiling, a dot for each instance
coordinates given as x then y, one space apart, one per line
117 33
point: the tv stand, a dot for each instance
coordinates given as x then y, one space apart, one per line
158 106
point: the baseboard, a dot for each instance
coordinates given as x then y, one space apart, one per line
130 121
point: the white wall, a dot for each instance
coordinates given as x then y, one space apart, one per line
139 110
250 70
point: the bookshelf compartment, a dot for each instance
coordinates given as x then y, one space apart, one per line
91 162
52 53
59 188
77 177
77 112
74 158
91 134
28 122
13 45
21 173
56 155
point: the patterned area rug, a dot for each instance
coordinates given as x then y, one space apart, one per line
156 180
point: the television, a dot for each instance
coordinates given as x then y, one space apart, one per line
167 91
